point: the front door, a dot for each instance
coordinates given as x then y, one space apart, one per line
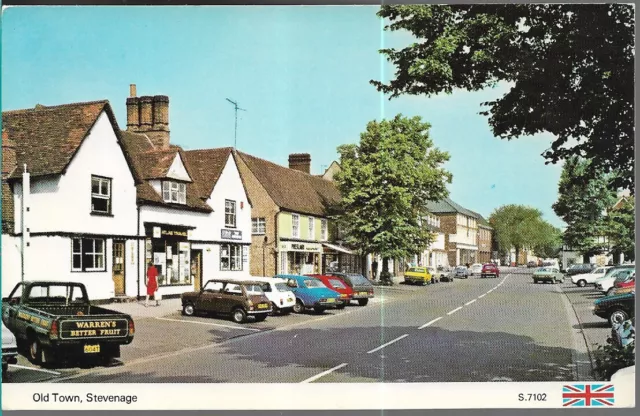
196 269
118 267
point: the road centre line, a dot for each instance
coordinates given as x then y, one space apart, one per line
35 369
481 296
455 310
324 373
388 343
207 323
470 302
430 322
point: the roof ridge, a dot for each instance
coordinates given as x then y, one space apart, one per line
55 107
210 149
277 165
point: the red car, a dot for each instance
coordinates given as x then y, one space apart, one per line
630 282
336 284
490 269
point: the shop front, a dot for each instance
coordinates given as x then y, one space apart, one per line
168 248
299 257
336 258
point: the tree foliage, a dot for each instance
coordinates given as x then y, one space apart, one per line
519 227
621 229
570 68
583 201
385 182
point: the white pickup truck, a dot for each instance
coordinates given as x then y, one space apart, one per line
9 350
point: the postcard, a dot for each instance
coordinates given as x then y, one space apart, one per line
365 207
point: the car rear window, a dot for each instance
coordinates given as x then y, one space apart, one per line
337 283
358 279
313 283
282 287
416 269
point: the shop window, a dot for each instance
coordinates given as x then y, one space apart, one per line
100 195
312 229
87 255
295 225
175 192
324 231
258 226
229 213
230 257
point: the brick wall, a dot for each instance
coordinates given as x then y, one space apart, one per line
262 207
448 225
484 245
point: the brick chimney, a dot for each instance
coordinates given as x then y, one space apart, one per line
9 161
301 162
149 115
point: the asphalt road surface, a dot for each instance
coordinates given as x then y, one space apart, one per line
504 329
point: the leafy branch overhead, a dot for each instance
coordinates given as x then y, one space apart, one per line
385 182
570 69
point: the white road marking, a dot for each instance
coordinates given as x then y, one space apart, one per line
455 310
430 322
324 373
388 343
35 369
481 296
208 323
470 302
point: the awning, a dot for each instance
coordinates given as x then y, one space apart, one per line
338 248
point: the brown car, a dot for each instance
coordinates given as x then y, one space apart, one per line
238 298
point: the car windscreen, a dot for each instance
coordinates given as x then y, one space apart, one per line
313 283
612 272
623 275
337 283
254 289
282 287
358 279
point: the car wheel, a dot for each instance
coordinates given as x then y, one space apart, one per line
363 302
239 316
35 351
298 307
582 283
617 316
260 318
188 309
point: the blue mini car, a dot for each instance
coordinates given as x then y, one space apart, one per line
310 293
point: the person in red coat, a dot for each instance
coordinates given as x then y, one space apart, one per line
152 284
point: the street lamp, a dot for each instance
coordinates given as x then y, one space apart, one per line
264 246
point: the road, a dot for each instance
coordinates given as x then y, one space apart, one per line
505 329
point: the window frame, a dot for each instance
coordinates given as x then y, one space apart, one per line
324 229
312 228
256 224
171 188
100 195
228 203
89 251
295 225
231 256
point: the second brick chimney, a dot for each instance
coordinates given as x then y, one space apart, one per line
149 115
301 162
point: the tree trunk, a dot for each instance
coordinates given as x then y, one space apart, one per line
385 265
517 255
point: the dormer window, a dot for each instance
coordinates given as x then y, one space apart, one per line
174 192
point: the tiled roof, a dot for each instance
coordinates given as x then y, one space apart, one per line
47 137
291 189
206 166
151 163
482 221
447 206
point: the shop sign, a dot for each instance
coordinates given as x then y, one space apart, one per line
306 247
175 233
226 234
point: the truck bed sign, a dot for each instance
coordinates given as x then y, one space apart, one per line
93 329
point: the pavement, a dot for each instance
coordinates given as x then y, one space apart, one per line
505 329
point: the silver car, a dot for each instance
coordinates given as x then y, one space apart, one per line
462 272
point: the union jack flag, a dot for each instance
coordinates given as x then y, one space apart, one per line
587 395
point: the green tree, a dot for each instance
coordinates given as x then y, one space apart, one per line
621 229
549 241
385 182
570 68
583 201
517 227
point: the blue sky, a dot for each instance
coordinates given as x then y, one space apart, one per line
302 72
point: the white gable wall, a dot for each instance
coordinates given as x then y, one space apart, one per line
177 170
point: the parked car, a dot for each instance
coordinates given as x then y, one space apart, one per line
490 269
9 350
445 274
628 282
311 293
531 264
548 274
617 308
237 298
418 275
362 288
338 285
461 272
582 279
55 320
276 290
580 268
605 283
476 268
